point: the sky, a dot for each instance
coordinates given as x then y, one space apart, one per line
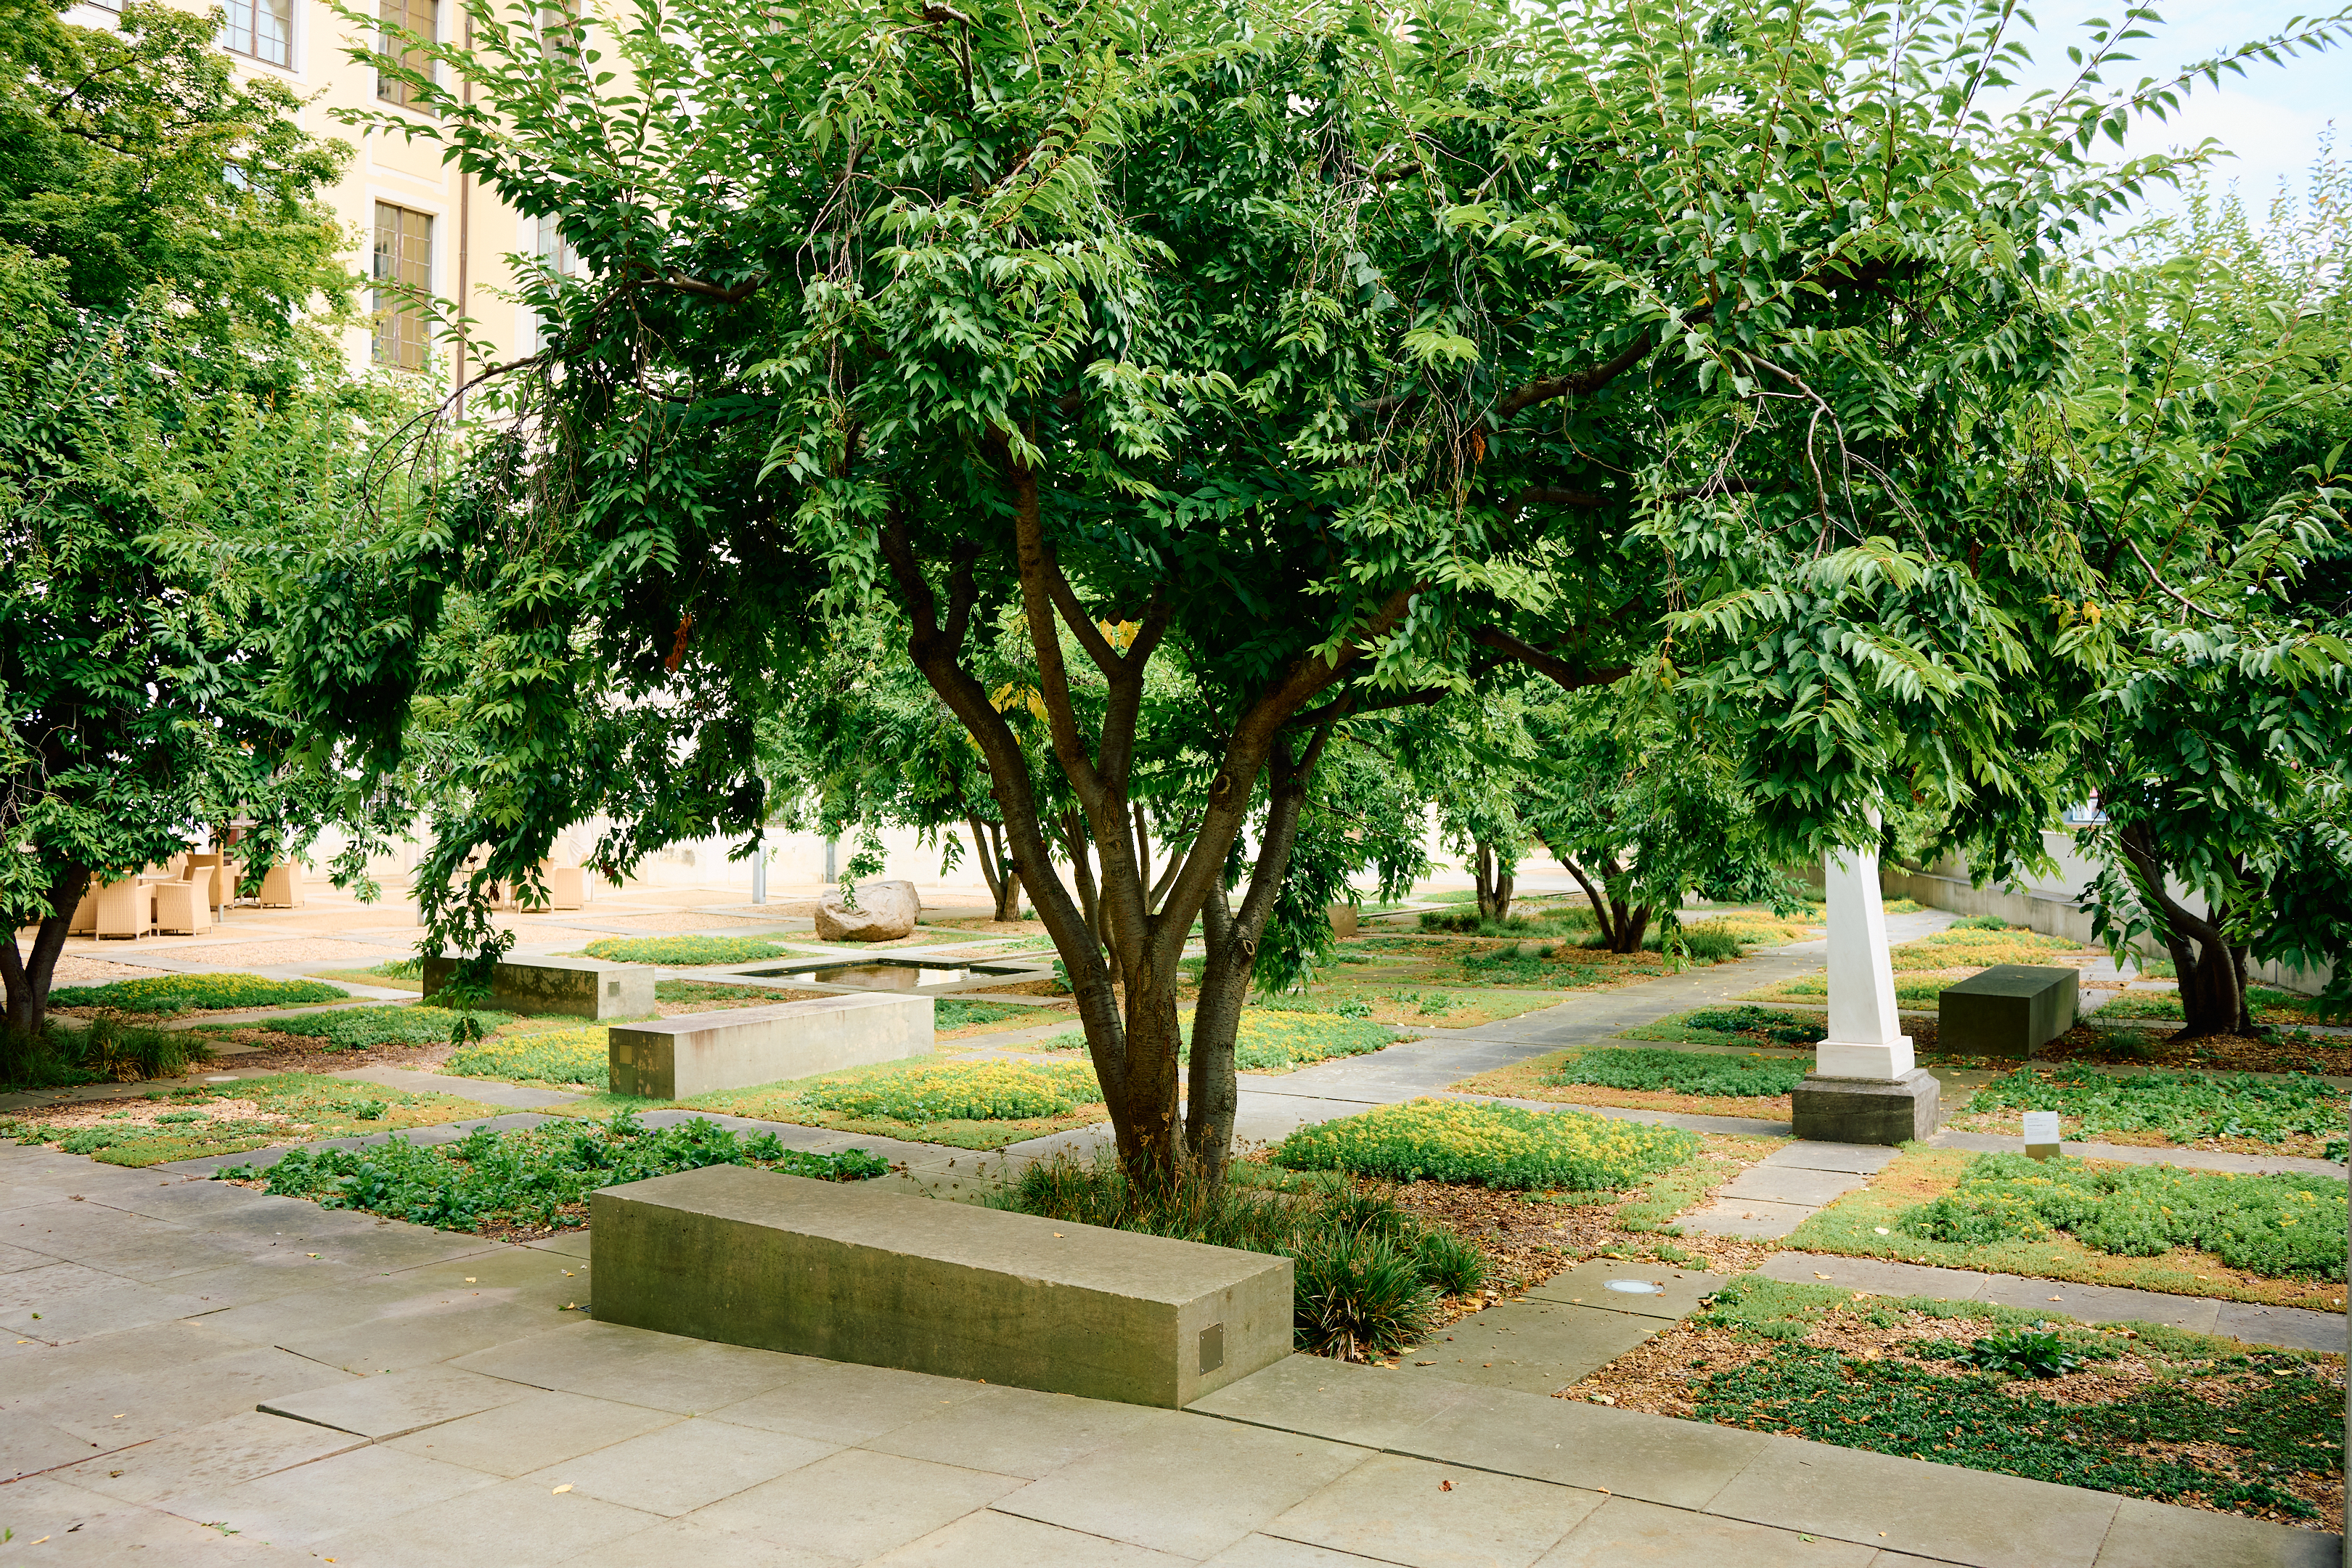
2272 118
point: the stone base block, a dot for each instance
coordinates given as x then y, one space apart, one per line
695 1053
752 1257
1867 1110
2009 1010
583 988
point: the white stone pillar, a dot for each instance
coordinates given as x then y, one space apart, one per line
1866 1034
1865 1086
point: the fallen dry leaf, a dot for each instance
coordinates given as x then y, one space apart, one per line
561 1490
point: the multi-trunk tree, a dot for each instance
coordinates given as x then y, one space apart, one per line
170 420
1260 369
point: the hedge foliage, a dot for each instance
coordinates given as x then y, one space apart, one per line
195 994
538 1177
2283 1227
1490 1145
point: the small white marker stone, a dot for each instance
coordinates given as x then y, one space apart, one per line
2042 1135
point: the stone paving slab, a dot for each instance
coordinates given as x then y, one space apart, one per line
1861 1159
1759 1219
1791 1184
1536 1346
1678 1290
481 1089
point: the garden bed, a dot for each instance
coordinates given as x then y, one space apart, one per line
965 1105
2300 1116
152 998
2145 1411
231 1118
1870 1224
1271 1040
518 1185
1695 1083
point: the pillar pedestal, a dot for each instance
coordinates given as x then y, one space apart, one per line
1865 1086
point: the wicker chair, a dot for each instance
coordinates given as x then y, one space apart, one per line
281 886
126 908
184 907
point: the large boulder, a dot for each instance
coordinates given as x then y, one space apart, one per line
885 912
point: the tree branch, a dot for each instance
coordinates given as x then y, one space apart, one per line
1566 676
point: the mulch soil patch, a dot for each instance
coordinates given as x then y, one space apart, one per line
1665 1376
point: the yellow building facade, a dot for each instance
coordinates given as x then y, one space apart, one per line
412 222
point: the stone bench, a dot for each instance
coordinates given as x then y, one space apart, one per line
2009 1010
834 1270
672 1059
583 988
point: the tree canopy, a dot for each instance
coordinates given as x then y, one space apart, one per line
1259 370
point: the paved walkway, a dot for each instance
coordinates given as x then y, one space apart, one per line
219 1377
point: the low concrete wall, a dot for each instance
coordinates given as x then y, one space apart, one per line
2009 1009
670 1058
752 1257
583 988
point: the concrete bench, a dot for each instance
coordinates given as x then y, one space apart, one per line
583 988
2009 1010
751 1258
671 1058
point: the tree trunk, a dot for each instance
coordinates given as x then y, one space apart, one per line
1631 923
1493 880
1004 881
2210 972
1622 925
27 976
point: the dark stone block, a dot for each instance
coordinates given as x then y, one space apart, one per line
1867 1110
2009 1010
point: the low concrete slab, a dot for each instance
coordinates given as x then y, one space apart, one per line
1610 1284
695 1053
752 1257
581 988
1756 1218
2009 1009
1534 1346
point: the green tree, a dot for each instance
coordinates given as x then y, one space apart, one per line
164 411
2220 404
1643 806
1344 354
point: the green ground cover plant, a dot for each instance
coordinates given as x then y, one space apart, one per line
364 1029
962 1091
230 1117
1742 1025
1275 1037
2271 1006
2284 1424
1868 1223
1369 1277
169 996
564 1056
953 1013
1681 1072
2185 1107
2280 1227
1964 946
1910 992
104 1051
684 952
712 992
537 1178
1488 1146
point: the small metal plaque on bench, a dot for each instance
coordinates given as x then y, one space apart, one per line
1213 1347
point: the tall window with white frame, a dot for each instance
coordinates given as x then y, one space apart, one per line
404 280
422 18
262 29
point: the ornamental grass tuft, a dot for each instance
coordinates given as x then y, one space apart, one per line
1369 1277
2282 1226
171 994
104 1051
1489 1145
535 1177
